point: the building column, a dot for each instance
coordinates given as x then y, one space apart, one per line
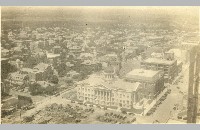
134 98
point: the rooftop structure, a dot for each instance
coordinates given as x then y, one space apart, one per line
168 66
45 84
159 61
51 55
119 84
41 67
142 75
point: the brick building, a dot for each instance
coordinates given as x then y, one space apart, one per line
168 66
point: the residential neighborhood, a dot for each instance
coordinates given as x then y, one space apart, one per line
93 66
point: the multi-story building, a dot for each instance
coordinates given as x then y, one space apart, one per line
168 66
40 72
109 94
152 82
123 93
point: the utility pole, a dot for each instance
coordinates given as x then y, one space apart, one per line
193 85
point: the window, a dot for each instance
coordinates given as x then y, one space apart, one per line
127 102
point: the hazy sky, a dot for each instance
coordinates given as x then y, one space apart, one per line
126 14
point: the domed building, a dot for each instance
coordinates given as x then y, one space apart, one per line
109 72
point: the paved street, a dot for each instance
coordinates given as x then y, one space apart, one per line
165 110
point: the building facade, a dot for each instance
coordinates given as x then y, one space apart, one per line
121 93
104 96
169 67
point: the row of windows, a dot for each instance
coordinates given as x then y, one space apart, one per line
18 78
122 103
103 98
85 89
107 99
83 94
121 95
107 94
102 93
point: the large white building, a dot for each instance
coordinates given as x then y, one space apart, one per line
123 93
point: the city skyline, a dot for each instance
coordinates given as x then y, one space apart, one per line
99 65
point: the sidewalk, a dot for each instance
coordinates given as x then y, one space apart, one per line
165 90
154 102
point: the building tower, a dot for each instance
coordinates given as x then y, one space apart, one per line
193 85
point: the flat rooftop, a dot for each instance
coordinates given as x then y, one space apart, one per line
142 75
142 72
51 55
98 82
159 61
4 59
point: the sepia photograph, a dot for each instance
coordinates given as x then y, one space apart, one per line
100 65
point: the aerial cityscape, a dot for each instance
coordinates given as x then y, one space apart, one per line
100 65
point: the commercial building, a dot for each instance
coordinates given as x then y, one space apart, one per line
152 82
169 67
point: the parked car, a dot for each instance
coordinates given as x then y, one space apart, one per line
130 113
30 107
166 94
179 117
185 118
134 119
58 94
124 112
149 113
169 91
162 98
156 122
80 103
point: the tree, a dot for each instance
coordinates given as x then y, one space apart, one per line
54 79
61 69
35 89
31 62
69 82
7 68
50 89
